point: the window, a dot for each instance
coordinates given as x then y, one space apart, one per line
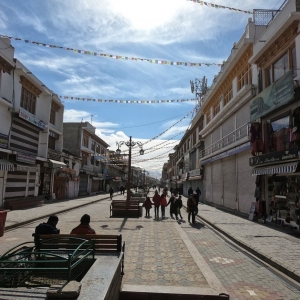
98 148
281 66
52 116
84 159
85 141
268 77
93 145
228 95
294 62
51 142
28 100
245 77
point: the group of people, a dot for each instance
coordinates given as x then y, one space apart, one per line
175 204
161 201
50 226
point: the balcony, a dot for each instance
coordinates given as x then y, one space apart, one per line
230 139
53 154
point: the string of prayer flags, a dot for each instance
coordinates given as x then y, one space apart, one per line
153 61
208 4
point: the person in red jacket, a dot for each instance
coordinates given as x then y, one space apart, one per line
163 203
84 226
156 201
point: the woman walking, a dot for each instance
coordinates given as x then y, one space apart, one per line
191 205
173 206
156 201
148 205
163 204
179 205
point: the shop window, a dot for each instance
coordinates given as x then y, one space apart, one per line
279 132
85 141
281 66
28 100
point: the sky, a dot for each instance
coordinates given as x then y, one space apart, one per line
169 30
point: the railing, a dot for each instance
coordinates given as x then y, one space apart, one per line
53 154
227 140
264 17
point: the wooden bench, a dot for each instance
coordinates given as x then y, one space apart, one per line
124 208
21 203
104 244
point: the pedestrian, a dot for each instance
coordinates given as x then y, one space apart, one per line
49 227
156 202
195 196
190 191
111 192
191 203
148 205
123 189
173 206
163 204
198 191
179 205
84 226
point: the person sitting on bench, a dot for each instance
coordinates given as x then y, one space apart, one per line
49 227
84 226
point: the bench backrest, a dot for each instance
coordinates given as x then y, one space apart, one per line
103 243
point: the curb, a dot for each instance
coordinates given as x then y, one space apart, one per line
47 215
258 254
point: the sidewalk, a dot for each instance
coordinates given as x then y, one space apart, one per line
279 249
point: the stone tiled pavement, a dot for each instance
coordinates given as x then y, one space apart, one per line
161 253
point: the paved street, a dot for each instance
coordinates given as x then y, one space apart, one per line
167 255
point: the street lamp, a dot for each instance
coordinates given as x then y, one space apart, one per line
129 144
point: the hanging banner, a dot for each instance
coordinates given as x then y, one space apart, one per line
221 6
124 101
153 61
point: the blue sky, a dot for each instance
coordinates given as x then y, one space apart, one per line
174 30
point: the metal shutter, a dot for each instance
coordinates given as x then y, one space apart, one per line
229 170
217 178
83 184
16 184
216 135
208 182
243 115
246 182
228 126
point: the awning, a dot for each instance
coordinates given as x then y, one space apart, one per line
6 165
57 164
276 169
97 178
195 178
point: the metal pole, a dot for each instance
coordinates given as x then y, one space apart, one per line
129 171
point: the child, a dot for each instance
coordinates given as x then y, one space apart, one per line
148 205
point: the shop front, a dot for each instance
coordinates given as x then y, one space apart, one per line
275 143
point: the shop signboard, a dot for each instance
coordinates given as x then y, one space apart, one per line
23 114
3 141
271 157
274 96
26 158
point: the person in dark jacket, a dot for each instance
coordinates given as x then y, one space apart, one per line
190 191
173 206
179 205
84 226
191 204
49 227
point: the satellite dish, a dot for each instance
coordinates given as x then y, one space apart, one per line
192 86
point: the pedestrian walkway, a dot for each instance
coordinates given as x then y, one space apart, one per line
174 255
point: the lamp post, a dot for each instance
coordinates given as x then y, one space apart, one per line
129 144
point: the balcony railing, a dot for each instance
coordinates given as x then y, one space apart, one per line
55 155
227 140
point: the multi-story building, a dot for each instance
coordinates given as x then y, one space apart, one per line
80 139
31 129
275 115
